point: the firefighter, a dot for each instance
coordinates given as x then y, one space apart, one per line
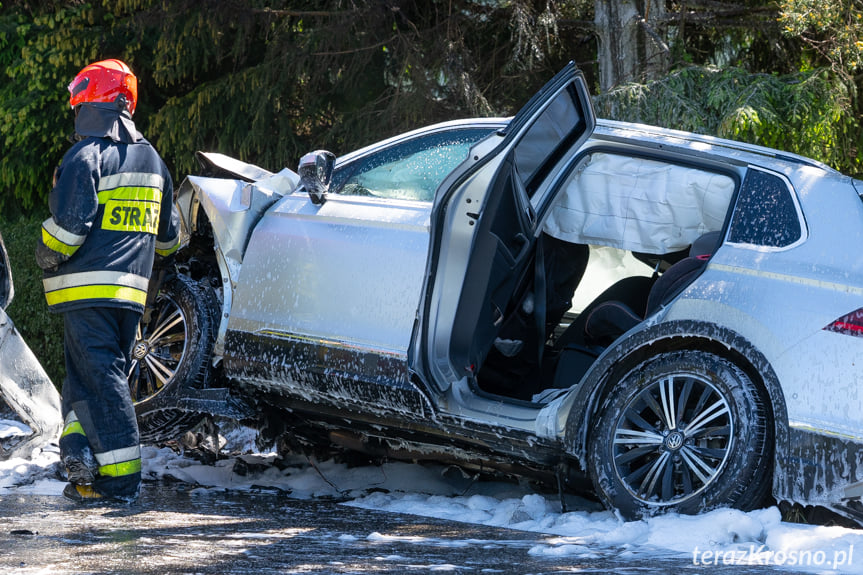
112 214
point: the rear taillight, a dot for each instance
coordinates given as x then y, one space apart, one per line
849 324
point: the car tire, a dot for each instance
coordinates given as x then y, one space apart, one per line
172 353
684 432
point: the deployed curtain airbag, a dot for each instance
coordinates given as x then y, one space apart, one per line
638 204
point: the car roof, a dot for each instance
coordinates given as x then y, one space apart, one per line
627 131
617 131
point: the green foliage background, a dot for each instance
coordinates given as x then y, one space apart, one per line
267 81
808 113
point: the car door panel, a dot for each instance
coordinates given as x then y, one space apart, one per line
501 252
467 298
349 270
328 295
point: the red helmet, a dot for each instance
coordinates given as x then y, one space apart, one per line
103 82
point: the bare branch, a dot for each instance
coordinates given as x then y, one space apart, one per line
303 13
652 33
356 50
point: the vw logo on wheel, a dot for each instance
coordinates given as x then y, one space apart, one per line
674 440
140 350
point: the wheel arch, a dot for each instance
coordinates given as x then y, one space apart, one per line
213 238
665 337
159 414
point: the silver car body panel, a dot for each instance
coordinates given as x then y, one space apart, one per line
28 390
348 272
234 208
24 385
455 252
783 302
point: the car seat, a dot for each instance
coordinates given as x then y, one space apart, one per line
618 309
612 318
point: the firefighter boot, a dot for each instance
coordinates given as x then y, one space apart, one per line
81 467
82 493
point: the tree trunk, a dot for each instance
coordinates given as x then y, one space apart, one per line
631 48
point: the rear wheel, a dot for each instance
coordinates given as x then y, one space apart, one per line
172 352
685 431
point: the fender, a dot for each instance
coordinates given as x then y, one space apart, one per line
231 208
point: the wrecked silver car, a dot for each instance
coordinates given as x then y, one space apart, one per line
24 385
673 317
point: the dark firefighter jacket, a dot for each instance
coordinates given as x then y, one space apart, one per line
111 212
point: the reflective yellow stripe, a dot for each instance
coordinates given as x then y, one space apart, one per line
61 241
131 194
62 235
119 455
123 461
54 244
96 292
165 253
81 279
169 247
120 469
132 180
73 427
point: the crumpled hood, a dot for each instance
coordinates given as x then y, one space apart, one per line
105 120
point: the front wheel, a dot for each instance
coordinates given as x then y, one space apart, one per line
685 431
172 351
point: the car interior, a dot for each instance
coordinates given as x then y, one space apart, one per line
626 236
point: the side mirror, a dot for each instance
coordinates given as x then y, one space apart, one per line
316 171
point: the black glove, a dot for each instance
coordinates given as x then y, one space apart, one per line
48 259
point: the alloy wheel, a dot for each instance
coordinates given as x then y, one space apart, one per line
160 346
672 439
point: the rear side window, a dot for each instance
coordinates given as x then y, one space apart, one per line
766 214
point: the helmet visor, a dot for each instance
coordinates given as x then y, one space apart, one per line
76 86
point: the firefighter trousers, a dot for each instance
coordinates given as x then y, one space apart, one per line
99 417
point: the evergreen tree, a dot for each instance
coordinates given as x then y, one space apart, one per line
266 81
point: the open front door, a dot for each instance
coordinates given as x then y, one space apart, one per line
485 228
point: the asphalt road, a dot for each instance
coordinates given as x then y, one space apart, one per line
172 530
